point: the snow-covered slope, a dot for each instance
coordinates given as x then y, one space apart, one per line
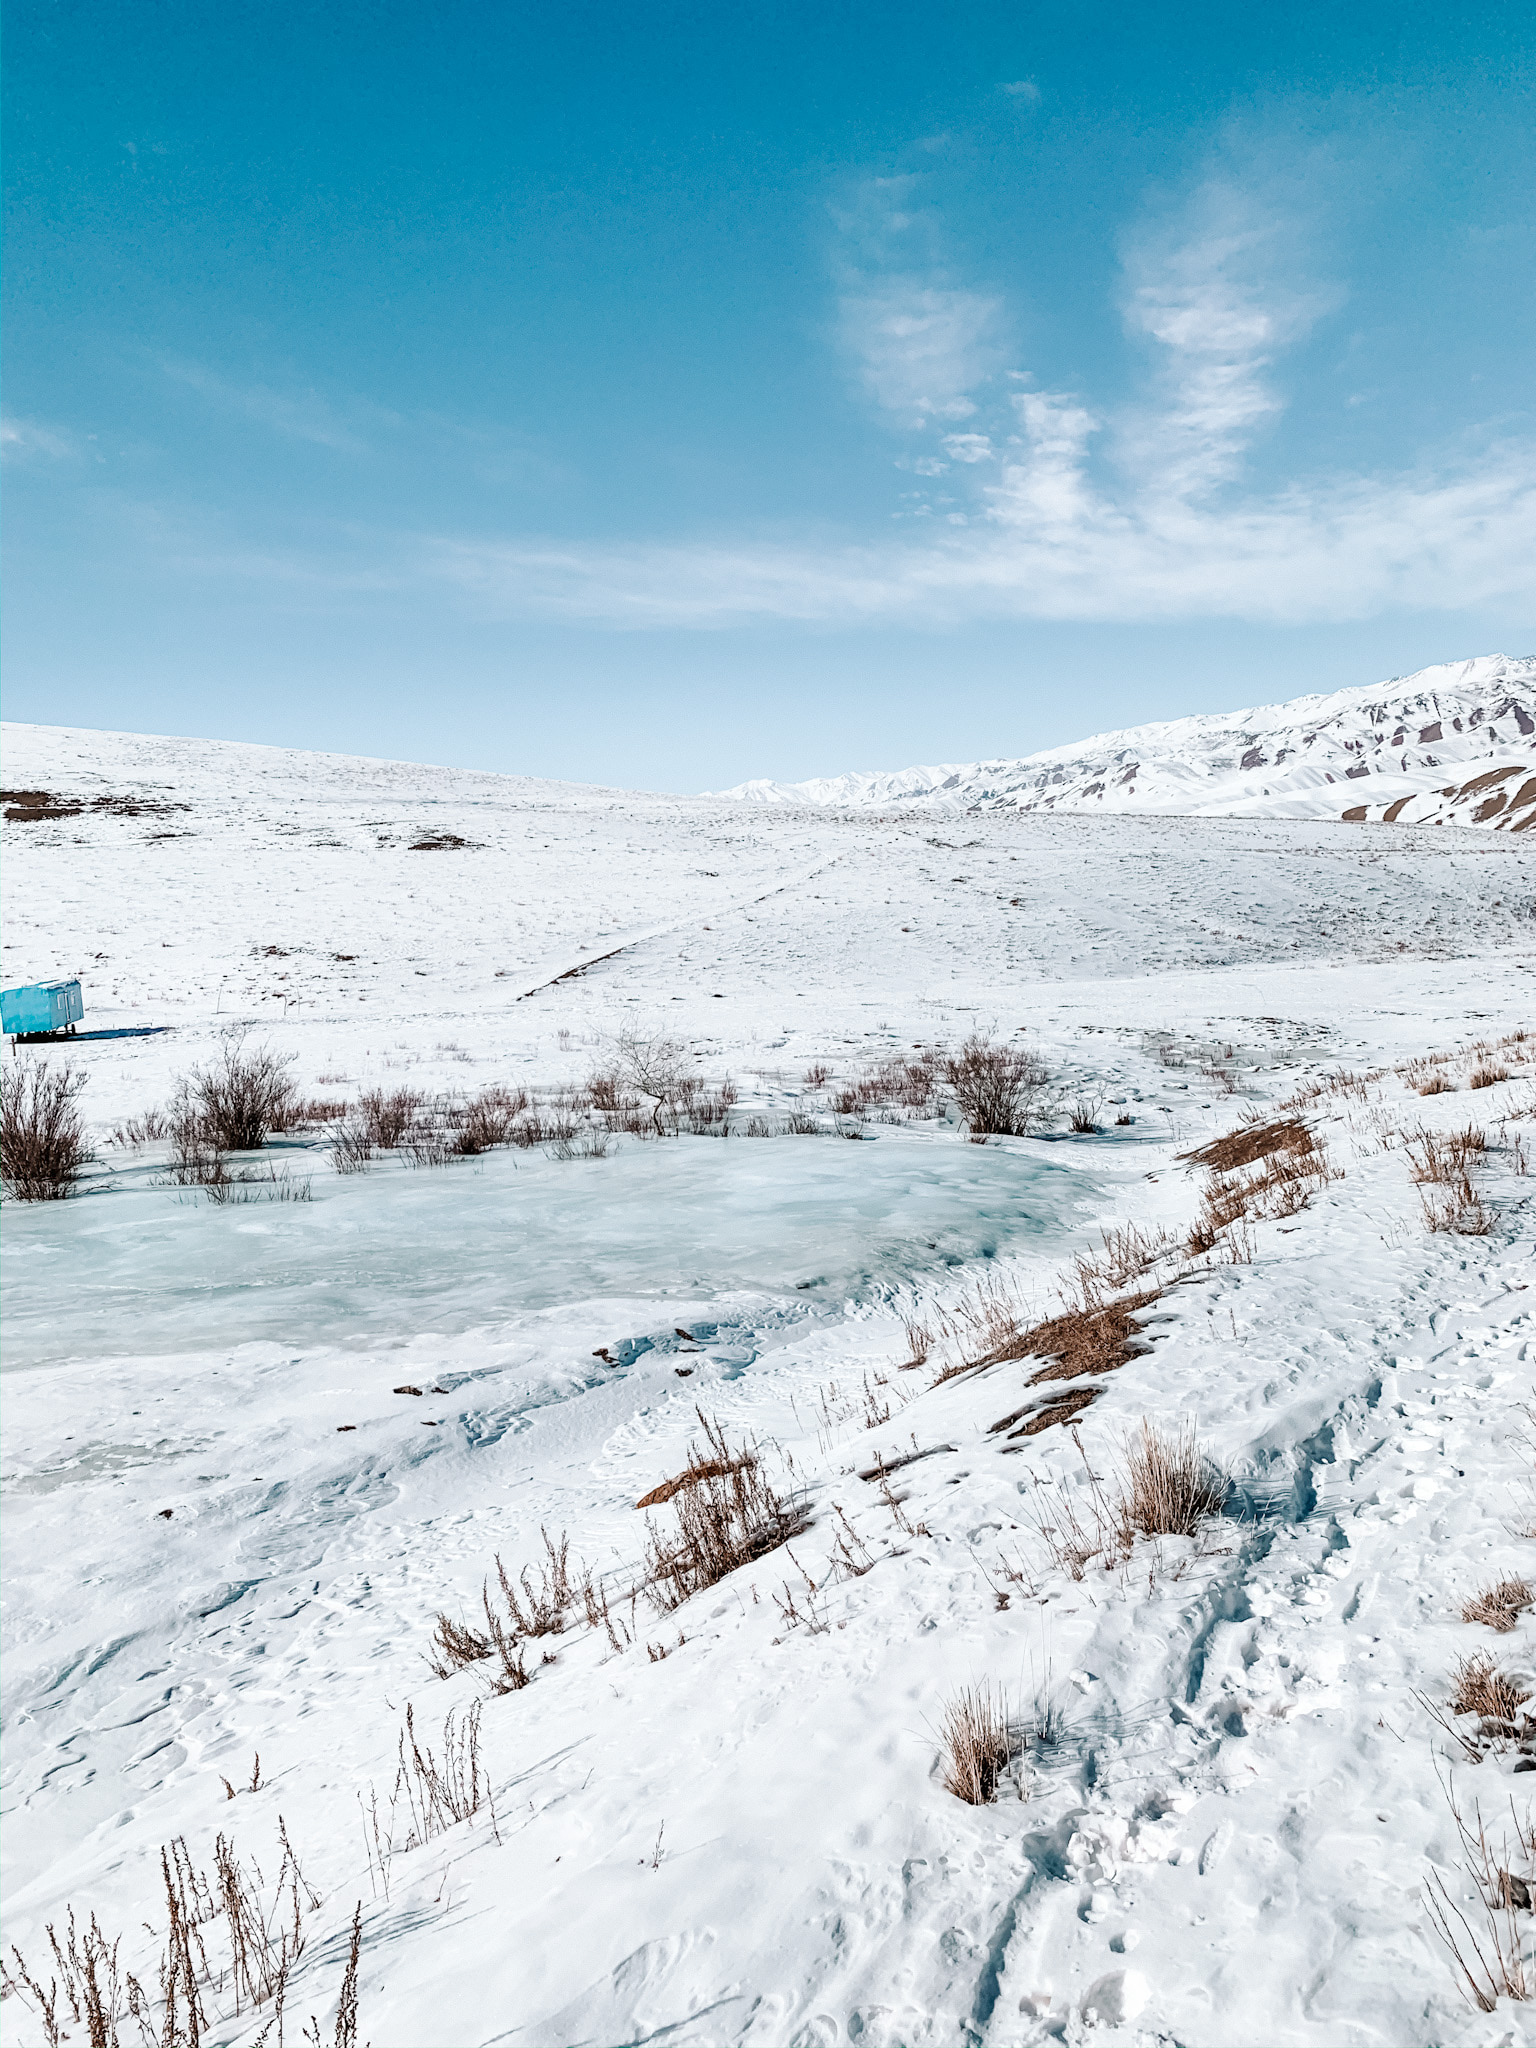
1453 742
253 1450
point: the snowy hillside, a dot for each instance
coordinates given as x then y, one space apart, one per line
1457 742
261 1445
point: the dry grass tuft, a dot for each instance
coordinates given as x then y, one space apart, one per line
1479 1687
976 1743
1291 1166
1487 1076
1499 1607
728 1514
1170 1486
42 1135
1252 1142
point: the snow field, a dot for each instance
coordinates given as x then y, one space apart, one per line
747 1839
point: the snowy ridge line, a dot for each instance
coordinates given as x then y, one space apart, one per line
1454 743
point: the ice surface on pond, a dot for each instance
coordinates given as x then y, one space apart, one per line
151 1269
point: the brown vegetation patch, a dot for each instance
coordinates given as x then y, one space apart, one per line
1250 1143
697 1473
728 1514
1061 1408
1499 1607
1478 1686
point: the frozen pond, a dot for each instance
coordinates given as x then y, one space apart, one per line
145 1269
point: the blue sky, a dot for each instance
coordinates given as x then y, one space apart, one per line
672 395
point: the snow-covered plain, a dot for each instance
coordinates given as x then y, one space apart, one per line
746 1838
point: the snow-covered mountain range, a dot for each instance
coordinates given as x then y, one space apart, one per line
1457 741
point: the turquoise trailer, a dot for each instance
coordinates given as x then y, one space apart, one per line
43 1009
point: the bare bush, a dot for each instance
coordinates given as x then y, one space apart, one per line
43 1144
976 1743
817 1076
1499 1607
798 1125
351 1147
998 1089
728 1514
386 1118
1490 1961
537 1604
1083 1117
240 1097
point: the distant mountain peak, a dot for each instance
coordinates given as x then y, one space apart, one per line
1457 741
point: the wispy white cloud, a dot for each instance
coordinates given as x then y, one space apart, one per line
296 415
1219 287
922 341
1336 550
21 439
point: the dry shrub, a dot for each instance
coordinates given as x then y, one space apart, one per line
351 1147
976 1742
439 1793
1129 1253
147 1129
798 1125
1443 1157
42 1134
1083 1117
1487 1076
537 1603
224 1933
1499 1607
919 1342
651 1091
998 1089
233 1103
1478 1686
455 1646
728 1514
1169 1486
319 1110
1490 1962
817 1076
1457 1212
386 1118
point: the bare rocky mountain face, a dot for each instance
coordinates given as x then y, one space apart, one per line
1455 743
